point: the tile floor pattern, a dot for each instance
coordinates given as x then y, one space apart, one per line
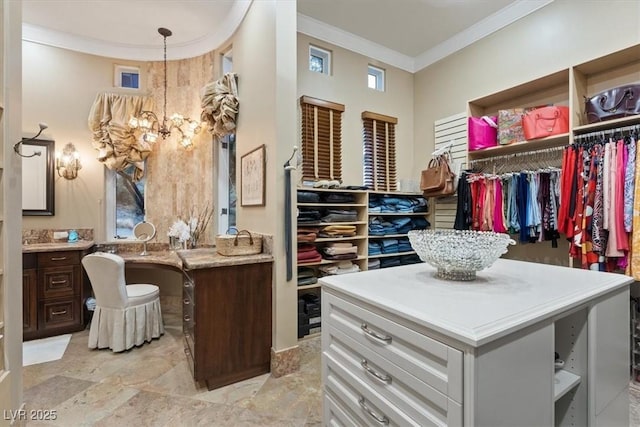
152 386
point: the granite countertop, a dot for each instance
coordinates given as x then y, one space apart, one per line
194 259
57 246
168 258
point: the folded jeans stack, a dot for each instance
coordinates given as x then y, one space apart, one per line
338 231
340 250
373 264
340 215
343 267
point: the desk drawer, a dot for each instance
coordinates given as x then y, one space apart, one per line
59 282
431 361
54 259
414 397
59 313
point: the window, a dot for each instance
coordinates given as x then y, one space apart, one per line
375 78
127 77
321 139
125 203
379 151
319 60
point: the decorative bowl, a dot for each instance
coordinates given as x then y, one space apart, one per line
459 254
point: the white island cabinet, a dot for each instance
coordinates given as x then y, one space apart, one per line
401 347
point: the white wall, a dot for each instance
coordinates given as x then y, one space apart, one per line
347 85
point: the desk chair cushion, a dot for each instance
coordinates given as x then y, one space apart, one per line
125 315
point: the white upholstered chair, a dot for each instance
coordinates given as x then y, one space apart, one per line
125 315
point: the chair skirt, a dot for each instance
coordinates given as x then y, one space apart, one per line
120 329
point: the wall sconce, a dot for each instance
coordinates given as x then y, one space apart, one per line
68 164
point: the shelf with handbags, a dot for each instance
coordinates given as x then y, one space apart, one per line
606 92
530 116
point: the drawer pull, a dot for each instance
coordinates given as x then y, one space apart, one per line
188 285
58 258
187 318
385 378
58 313
382 420
186 301
384 338
58 282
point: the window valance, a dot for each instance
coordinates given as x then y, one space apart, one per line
117 145
220 105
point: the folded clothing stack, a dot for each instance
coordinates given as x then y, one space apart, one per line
343 267
410 259
308 197
381 226
338 231
308 216
308 234
338 198
340 250
309 318
340 215
391 261
307 276
375 247
404 245
389 246
308 253
373 264
390 203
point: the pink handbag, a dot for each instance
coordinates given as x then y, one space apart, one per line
483 132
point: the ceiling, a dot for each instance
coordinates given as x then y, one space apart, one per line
408 34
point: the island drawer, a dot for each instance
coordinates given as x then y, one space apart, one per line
433 362
54 259
414 397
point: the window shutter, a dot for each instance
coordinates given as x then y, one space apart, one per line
321 139
379 151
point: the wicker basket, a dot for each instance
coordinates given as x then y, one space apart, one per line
243 243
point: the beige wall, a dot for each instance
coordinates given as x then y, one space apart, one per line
347 85
262 58
59 87
562 34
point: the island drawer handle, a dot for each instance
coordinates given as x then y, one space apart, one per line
385 378
58 313
382 420
58 258
384 338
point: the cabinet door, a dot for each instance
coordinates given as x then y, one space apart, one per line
29 302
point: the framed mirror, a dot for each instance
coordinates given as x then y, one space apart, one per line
38 180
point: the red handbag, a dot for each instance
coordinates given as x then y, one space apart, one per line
545 121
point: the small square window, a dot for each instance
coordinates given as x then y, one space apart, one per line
375 78
319 60
126 77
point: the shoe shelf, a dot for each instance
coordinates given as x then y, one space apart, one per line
564 382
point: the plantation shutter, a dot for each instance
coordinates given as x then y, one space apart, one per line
321 139
379 149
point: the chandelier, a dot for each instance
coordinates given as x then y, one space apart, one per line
147 122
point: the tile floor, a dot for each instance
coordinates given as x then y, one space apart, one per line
152 386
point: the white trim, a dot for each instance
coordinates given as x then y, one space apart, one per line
201 46
509 14
341 38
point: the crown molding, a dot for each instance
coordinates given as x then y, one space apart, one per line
320 30
352 42
197 47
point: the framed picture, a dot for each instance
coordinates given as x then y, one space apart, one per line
252 177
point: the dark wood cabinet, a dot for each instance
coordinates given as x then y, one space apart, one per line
227 322
54 289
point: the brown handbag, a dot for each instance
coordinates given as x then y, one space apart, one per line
613 103
437 179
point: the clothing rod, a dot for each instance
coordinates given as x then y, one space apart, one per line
609 131
516 155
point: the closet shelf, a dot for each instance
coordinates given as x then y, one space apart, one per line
336 239
422 214
387 236
564 382
330 205
329 261
305 287
393 254
521 147
609 124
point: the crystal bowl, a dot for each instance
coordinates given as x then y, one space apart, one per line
459 254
